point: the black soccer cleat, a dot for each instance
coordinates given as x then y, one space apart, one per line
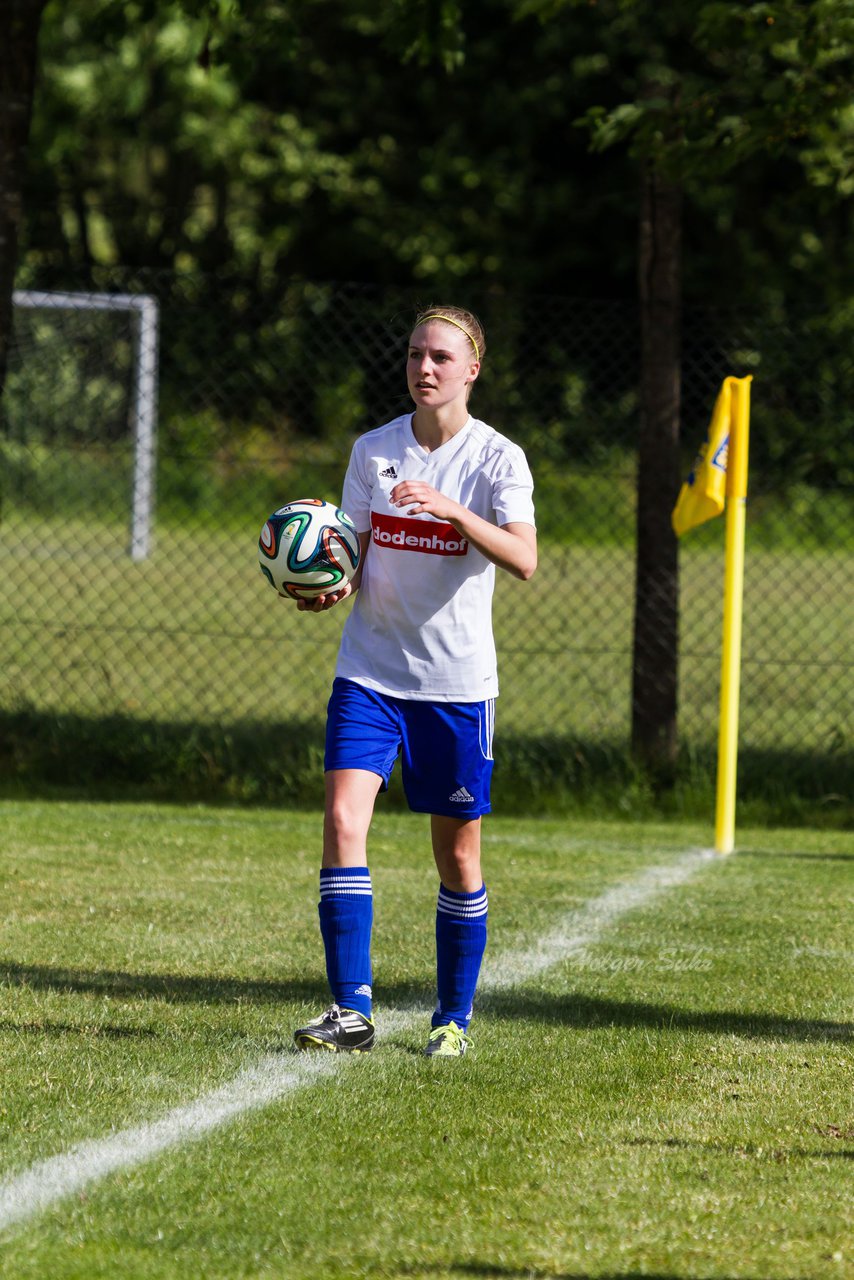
339 1030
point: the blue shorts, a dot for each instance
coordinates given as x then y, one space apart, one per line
445 747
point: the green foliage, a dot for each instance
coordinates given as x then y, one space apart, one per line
234 138
86 395
233 145
708 88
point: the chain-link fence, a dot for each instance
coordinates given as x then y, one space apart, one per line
150 426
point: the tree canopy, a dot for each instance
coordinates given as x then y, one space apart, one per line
510 148
442 143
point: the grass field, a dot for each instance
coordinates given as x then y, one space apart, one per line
194 634
660 1085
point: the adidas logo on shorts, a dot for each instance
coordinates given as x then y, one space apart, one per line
462 797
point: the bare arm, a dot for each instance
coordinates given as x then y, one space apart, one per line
511 546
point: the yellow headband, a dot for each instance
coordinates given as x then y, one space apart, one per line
434 315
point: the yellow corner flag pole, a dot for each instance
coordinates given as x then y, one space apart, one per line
736 492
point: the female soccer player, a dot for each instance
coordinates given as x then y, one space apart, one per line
439 499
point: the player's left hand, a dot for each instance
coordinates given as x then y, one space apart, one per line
420 498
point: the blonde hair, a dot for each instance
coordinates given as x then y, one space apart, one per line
467 321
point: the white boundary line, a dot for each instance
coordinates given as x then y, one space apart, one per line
582 927
275 1075
50 1180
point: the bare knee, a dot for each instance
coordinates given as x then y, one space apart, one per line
350 796
456 848
343 824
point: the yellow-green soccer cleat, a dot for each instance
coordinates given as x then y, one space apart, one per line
337 1030
446 1042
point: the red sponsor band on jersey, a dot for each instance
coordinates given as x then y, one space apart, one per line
431 537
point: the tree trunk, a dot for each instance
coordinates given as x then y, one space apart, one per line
19 30
656 627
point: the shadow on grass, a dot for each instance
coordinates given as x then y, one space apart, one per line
572 1010
769 1154
806 857
588 1012
90 1030
485 1270
122 757
170 987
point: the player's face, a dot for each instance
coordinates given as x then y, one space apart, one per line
440 366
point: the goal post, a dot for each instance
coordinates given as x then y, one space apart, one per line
146 313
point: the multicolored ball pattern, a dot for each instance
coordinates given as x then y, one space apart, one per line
308 548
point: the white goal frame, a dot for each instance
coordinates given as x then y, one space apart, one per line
144 402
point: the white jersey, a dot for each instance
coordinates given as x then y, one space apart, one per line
421 625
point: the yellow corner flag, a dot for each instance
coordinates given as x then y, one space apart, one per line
719 479
703 495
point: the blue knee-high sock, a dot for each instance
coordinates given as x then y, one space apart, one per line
460 944
346 911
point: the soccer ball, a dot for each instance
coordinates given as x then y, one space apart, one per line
308 548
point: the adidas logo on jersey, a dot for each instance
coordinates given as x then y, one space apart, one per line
389 473
462 797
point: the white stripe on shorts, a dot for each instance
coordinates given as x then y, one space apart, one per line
486 723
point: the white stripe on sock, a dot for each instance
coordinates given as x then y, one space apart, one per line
331 883
463 910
